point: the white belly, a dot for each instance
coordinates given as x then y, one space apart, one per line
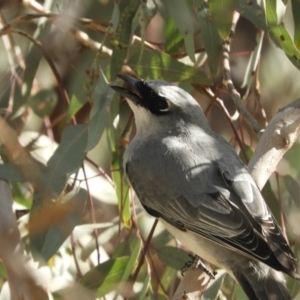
207 249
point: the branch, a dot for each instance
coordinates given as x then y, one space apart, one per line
194 283
277 139
22 279
227 80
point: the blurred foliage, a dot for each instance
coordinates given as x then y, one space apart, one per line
58 57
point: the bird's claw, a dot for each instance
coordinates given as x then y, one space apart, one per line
195 259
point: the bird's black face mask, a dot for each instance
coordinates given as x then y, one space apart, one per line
140 93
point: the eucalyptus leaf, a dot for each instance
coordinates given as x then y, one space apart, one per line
211 39
181 15
75 104
11 172
253 12
99 112
68 156
222 14
296 16
122 35
158 65
105 277
55 236
212 290
173 257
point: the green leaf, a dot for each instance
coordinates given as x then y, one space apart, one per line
75 104
115 18
135 250
252 64
122 35
11 172
105 277
55 236
271 12
66 160
68 156
173 38
292 186
296 15
33 58
98 114
173 257
167 278
157 65
214 286
239 293
282 38
142 18
222 14
181 15
43 102
122 188
146 285
211 39
253 12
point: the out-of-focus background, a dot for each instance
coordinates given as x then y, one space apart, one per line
87 235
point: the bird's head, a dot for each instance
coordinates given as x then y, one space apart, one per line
159 102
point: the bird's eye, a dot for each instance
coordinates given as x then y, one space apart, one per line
162 105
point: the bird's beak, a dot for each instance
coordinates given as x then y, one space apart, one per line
130 89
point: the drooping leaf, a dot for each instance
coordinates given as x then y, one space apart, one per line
98 114
146 285
271 12
212 290
173 257
143 16
105 277
33 58
135 250
222 14
279 33
173 37
122 35
68 157
167 278
292 186
211 39
253 12
73 203
282 38
122 189
296 16
11 172
181 15
252 64
157 65
76 104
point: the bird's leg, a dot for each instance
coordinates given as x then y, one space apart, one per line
196 260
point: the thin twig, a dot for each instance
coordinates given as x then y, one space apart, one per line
227 80
143 254
92 212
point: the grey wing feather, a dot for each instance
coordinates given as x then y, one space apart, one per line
210 200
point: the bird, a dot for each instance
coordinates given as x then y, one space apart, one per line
192 179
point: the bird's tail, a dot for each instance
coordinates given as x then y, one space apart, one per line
263 283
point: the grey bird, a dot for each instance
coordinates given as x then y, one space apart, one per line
193 180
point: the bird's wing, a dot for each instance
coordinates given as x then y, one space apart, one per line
249 195
209 201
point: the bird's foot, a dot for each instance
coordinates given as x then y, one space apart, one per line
196 260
